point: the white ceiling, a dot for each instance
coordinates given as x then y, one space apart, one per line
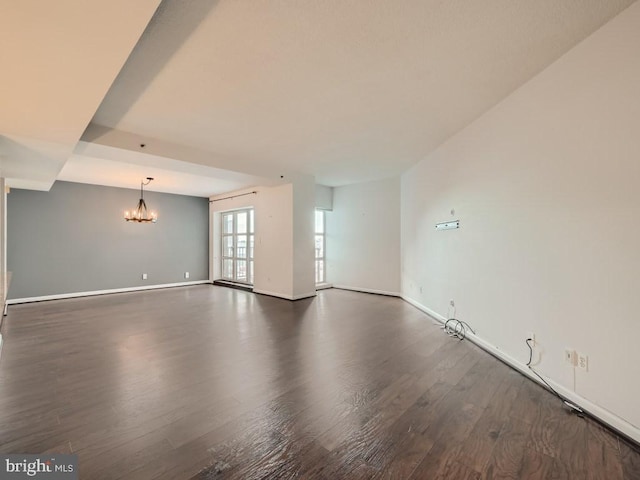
345 90
58 59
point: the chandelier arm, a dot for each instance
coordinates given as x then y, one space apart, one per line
142 184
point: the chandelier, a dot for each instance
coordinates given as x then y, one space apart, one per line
140 214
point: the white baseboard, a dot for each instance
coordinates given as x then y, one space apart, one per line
426 310
592 409
323 286
286 297
368 290
62 296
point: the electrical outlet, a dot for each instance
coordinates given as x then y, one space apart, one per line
531 336
186 274
144 276
571 357
583 361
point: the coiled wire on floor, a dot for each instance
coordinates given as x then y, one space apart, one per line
457 328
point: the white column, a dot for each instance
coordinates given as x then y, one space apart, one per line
3 240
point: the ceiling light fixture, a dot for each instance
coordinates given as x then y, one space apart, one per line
140 214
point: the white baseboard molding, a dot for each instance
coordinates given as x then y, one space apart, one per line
62 296
284 296
602 414
367 290
323 286
426 310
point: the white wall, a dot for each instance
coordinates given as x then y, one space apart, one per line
304 279
546 186
3 249
3 239
273 261
284 254
324 197
363 237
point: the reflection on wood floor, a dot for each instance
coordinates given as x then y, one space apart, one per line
212 382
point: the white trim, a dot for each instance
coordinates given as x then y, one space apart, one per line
368 290
62 296
286 297
323 286
426 310
597 411
0 345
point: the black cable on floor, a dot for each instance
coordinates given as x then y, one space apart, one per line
574 408
457 328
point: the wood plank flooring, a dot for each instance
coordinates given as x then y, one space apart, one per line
209 382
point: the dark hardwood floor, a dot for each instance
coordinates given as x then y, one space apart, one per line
209 382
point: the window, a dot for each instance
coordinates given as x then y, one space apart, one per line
320 244
237 246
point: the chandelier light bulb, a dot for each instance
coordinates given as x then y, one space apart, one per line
141 214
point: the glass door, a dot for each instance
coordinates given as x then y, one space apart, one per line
237 246
320 247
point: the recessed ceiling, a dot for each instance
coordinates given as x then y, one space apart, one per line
97 171
101 165
346 91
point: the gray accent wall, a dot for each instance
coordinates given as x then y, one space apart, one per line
74 238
